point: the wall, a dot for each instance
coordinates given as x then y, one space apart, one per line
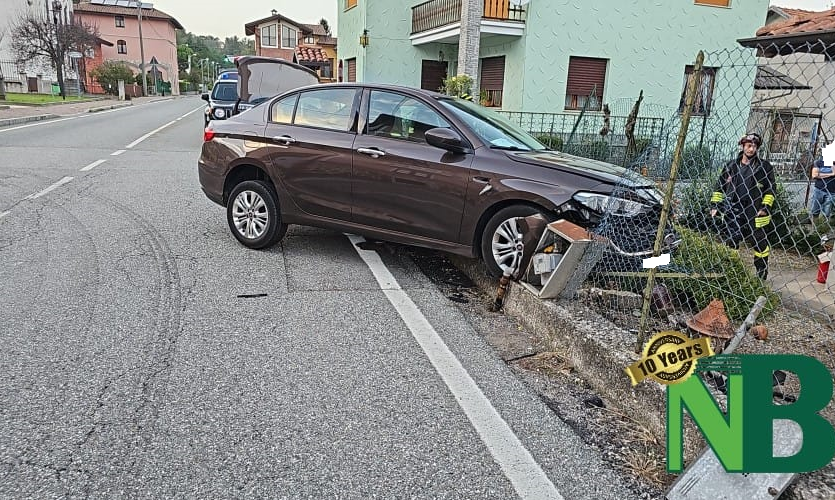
159 40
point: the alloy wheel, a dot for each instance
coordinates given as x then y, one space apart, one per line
249 213
507 245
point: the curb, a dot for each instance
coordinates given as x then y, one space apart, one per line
597 348
8 122
106 108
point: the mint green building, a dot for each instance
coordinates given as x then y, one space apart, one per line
550 56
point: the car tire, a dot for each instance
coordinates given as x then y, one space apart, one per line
253 215
497 245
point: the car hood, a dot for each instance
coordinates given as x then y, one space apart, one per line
601 171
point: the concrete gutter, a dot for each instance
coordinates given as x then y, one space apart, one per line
597 348
8 122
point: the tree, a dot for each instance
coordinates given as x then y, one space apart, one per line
324 23
109 73
238 46
36 37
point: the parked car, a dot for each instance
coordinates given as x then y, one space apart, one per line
254 80
410 166
221 99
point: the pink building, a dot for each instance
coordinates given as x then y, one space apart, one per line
120 26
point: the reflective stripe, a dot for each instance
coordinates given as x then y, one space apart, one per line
762 221
717 197
763 254
768 199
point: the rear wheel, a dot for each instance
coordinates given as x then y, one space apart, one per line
253 216
501 241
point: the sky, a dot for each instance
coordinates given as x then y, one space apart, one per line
223 18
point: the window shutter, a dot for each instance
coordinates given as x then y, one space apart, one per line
584 73
432 74
352 70
492 73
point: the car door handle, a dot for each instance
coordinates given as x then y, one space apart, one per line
481 180
372 152
286 139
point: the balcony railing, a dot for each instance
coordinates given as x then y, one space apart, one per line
436 13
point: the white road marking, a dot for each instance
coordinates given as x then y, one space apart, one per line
3 214
117 153
192 111
42 122
50 188
93 165
527 477
149 134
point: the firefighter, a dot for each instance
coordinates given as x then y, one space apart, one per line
744 197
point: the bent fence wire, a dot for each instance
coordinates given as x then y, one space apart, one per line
771 221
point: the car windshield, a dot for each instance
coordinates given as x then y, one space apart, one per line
492 128
225 91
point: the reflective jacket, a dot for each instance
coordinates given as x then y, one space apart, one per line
745 187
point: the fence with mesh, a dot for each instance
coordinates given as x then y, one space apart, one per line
743 227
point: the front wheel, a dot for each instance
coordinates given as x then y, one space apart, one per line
253 215
501 241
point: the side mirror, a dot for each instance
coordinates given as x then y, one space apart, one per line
205 96
446 138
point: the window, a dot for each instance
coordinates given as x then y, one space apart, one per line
327 69
120 21
309 39
586 80
269 36
289 38
400 117
282 111
330 109
352 69
704 90
714 3
121 47
491 81
350 3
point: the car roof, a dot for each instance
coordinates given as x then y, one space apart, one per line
375 86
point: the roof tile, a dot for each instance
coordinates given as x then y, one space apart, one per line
802 21
310 54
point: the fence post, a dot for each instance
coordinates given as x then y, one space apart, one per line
668 195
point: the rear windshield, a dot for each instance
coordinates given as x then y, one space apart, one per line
225 91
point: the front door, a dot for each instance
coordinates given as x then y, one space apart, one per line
310 140
400 182
432 74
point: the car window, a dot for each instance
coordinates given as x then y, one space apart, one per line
490 127
328 108
282 111
401 117
226 91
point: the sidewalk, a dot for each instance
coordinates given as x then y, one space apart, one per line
802 291
17 114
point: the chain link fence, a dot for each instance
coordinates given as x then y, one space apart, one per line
743 223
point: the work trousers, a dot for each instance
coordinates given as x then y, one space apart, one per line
741 225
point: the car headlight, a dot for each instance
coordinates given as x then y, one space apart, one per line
602 203
220 113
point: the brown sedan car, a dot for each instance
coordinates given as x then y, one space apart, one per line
409 166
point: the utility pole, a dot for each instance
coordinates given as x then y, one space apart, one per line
56 16
142 50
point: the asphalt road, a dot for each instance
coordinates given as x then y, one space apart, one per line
145 353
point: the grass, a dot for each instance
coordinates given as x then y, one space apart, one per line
15 98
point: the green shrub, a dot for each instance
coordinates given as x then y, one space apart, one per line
695 161
641 145
597 150
109 73
551 141
738 287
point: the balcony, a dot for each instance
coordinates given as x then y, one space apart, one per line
440 20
